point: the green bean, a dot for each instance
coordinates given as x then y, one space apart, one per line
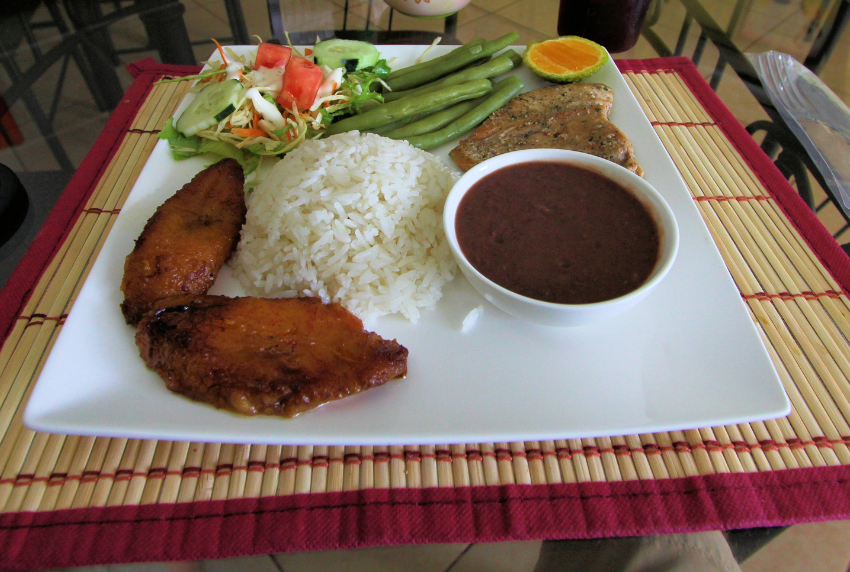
515 57
399 123
425 75
505 90
412 105
433 121
421 65
497 66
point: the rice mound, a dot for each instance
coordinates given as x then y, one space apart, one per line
355 219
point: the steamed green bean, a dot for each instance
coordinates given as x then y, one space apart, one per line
497 66
399 123
505 90
438 70
421 65
433 121
412 105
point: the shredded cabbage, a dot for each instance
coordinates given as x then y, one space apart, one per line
241 130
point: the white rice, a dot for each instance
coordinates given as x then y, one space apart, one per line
355 219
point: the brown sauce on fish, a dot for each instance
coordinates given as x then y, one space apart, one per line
558 233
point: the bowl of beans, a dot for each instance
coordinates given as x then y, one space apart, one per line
559 238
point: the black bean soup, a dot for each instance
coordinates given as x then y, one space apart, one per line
558 233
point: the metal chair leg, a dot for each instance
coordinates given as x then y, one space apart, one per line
237 22
167 31
826 40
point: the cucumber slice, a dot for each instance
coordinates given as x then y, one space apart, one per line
349 54
211 105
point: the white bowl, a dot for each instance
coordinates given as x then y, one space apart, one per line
550 313
427 8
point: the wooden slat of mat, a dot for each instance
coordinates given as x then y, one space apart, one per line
801 316
792 318
799 307
56 291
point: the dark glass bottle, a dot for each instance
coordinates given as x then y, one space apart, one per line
615 24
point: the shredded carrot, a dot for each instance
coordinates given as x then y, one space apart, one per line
249 132
220 50
308 51
256 120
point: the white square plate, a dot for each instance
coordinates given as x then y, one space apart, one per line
689 356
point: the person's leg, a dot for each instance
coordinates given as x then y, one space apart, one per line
703 551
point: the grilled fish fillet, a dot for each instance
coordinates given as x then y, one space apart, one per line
265 356
570 116
187 240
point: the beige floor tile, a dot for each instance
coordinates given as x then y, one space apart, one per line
539 15
470 13
80 569
737 97
765 17
787 36
423 558
213 9
138 567
350 3
79 140
75 103
303 15
492 5
493 26
720 10
128 33
256 15
242 564
10 158
379 18
380 15
35 155
667 20
814 547
149 567
832 219
641 50
518 556
836 72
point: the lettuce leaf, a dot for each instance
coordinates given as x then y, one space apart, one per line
183 147
360 84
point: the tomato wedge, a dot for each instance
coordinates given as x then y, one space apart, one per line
272 55
301 81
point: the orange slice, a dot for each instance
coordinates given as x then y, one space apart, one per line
565 60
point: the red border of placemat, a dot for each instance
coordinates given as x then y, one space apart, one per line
222 529
219 529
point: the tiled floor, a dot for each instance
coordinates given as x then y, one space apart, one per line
769 24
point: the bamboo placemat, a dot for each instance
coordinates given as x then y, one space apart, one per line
801 310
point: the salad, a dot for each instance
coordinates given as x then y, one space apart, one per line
249 109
